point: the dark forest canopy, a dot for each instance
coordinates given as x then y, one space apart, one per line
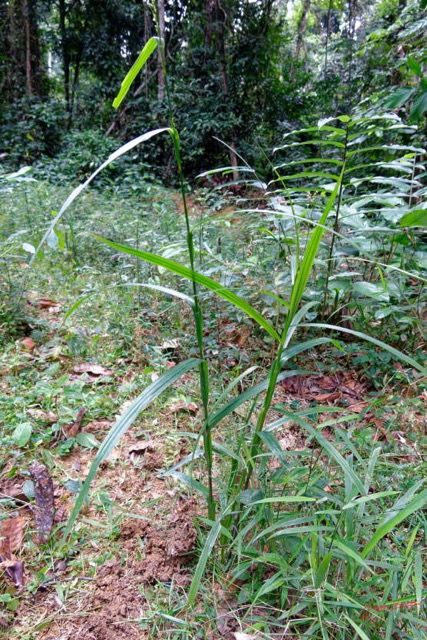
240 70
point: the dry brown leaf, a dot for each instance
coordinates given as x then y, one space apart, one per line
94 369
28 343
139 448
43 494
170 344
12 488
191 407
11 536
328 397
39 414
97 425
72 430
45 303
358 407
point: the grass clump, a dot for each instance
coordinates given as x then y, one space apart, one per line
313 527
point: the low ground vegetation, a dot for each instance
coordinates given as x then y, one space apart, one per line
319 516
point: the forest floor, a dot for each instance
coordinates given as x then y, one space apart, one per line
125 570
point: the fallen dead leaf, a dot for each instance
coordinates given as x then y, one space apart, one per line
11 536
46 416
139 448
45 303
97 425
191 407
43 494
12 488
72 430
94 369
170 344
358 407
28 343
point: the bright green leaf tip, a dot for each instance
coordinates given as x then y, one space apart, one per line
149 48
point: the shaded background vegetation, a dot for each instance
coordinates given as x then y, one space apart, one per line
241 70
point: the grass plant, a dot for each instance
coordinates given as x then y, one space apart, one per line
322 541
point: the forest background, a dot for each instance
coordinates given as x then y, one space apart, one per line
231 261
245 72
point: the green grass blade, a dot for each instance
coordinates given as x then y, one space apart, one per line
227 391
205 554
77 191
358 629
417 503
351 553
418 579
298 348
330 449
148 49
201 279
189 481
250 393
155 287
122 425
364 336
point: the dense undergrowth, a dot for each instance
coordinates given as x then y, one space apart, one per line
319 528
300 303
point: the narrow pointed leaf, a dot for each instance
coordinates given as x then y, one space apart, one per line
204 556
201 279
77 191
123 424
149 48
364 336
417 503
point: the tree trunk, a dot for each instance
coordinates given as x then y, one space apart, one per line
215 38
301 26
161 51
66 62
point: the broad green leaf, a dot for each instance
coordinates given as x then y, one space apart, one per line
417 218
419 107
252 392
333 453
149 48
322 571
87 440
351 553
418 578
414 66
123 424
371 290
417 503
285 500
201 279
369 498
358 629
22 434
271 584
194 485
291 531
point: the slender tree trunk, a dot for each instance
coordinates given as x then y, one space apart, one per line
160 69
27 32
328 33
301 26
215 38
66 62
